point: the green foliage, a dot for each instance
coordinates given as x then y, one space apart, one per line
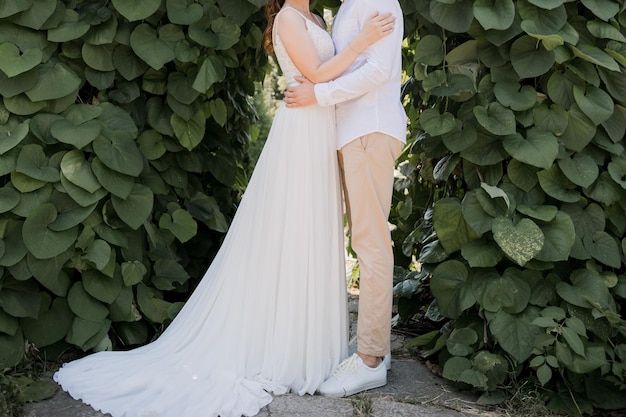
123 135
518 118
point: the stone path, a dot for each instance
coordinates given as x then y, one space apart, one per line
412 391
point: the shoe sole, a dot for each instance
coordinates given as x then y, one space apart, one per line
371 385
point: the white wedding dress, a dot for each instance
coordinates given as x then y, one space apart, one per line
270 313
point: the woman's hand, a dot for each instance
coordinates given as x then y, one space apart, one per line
377 27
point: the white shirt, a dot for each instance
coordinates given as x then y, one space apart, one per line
367 95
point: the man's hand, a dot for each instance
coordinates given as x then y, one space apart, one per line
300 95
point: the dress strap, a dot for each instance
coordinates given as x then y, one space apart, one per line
274 28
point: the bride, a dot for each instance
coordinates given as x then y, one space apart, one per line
270 313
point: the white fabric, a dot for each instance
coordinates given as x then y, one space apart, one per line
270 313
367 96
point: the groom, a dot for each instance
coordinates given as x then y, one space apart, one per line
371 130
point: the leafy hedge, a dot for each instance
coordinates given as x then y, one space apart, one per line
123 128
518 164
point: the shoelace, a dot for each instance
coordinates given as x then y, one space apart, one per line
346 367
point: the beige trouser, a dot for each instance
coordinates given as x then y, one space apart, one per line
367 165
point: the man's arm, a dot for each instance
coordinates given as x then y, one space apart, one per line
374 72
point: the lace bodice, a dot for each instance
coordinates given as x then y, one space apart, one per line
321 39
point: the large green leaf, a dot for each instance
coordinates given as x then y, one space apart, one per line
556 185
101 287
595 55
604 9
9 198
156 49
587 220
605 190
436 124
496 119
615 126
559 238
136 9
521 241
454 16
133 272
587 287
84 305
617 171
516 333
227 31
32 161
429 50
604 248
37 15
11 87
40 240
189 132
99 57
539 21
542 213
71 28
119 153
452 229
51 326
581 169
462 137
522 175
529 59
507 292
494 14
475 214
30 201
55 80
539 149
114 182
12 135
20 298
594 102
103 33
127 63
183 12
78 171
48 272
13 63
23 106
11 7
24 183
153 307
168 274
99 253
487 150
605 31
179 86
510 94
481 253
135 209
580 130
450 286
87 333
207 210
180 223
553 118
212 70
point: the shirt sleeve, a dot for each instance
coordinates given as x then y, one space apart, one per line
376 68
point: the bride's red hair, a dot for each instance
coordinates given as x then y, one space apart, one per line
271 10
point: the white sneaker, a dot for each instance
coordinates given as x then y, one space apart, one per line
352 376
387 360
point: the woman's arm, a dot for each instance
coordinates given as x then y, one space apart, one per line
300 48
